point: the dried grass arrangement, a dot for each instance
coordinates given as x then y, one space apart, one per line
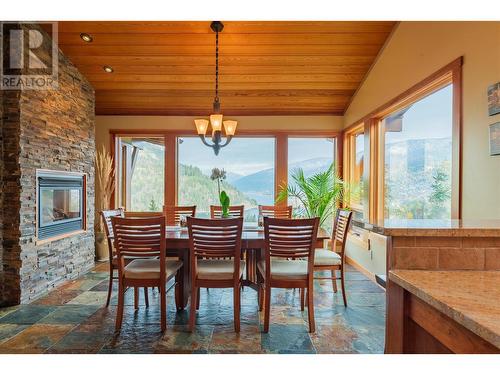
105 184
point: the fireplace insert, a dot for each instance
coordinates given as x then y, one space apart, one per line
60 202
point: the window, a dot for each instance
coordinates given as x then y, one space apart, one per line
355 153
140 173
250 173
409 159
418 158
312 156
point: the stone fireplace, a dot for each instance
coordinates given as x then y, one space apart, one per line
45 130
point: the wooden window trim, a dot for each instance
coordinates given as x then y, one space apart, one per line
449 74
171 153
349 140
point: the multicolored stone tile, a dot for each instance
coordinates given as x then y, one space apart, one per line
57 297
38 336
287 339
7 331
226 341
69 314
27 314
73 319
90 298
178 339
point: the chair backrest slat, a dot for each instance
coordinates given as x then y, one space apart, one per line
215 238
139 237
173 213
341 228
234 211
283 212
106 218
290 238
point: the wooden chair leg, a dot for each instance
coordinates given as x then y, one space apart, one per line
267 308
146 296
121 303
198 299
136 297
237 307
342 284
163 307
302 298
192 307
334 281
310 308
110 285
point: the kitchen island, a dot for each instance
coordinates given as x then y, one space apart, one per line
443 280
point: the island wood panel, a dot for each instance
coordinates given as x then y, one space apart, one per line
324 59
415 327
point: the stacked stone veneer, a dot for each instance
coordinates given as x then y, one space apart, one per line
43 130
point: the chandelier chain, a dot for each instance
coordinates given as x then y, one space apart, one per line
217 65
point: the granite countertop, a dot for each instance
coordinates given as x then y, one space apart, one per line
433 228
471 298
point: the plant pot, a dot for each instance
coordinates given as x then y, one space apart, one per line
101 247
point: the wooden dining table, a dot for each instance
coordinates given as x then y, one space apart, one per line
253 243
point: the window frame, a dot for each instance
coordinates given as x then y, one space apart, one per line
375 137
171 155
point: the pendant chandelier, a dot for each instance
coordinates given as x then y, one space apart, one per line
216 117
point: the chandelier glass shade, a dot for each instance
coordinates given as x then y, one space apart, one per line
215 140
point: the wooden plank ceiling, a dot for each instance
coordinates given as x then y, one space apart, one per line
266 68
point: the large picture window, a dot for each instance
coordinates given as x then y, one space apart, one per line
250 172
140 172
418 158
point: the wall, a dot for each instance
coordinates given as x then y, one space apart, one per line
416 50
245 123
51 130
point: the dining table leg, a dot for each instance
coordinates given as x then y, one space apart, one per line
185 285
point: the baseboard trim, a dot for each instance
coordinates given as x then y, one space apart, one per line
361 269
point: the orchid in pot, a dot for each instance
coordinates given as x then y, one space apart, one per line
219 175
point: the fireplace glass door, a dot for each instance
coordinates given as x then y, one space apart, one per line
60 205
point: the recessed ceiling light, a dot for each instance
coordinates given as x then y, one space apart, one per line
86 37
107 69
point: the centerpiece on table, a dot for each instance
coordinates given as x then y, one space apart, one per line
219 175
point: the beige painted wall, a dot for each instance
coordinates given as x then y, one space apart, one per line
245 123
416 50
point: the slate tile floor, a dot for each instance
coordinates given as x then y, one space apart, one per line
73 319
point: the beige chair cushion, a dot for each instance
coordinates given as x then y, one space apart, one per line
150 268
325 257
217 269
285 269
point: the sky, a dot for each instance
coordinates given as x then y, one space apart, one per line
244 156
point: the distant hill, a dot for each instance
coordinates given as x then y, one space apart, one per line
198 188
264 180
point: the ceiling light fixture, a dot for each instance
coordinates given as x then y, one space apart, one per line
108 69
216 116
86 37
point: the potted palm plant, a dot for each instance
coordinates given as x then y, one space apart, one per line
318 195
105 185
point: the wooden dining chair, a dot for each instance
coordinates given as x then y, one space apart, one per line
113 265
215 248
283 212
288 261
173 213
331 259
144 240
234 211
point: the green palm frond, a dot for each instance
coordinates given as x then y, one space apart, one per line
319 194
